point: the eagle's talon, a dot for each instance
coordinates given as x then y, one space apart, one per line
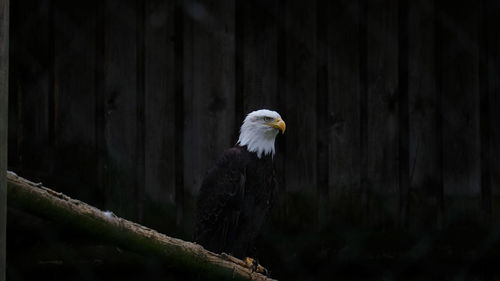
254 265
251 263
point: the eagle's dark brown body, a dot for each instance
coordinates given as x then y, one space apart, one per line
234 201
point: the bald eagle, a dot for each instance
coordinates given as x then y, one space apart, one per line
237 193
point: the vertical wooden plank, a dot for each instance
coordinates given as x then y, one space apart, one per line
300 90
363 107
404 114
343 120
460 108
4 94
281 94
209 86
121 92
485 113
258 32
74 91
31 79
493 63
322 137
179 17
425 143
140 99
160 103
100 99
382 105
15 123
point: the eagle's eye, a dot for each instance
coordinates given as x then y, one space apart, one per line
268 119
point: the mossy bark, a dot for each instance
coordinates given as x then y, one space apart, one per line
123 233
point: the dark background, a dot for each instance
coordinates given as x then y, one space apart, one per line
390 164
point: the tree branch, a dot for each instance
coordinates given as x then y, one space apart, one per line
123 233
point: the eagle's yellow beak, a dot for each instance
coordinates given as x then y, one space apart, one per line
278 124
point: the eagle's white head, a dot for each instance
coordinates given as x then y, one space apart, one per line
259 131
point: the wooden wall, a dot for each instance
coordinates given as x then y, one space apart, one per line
391 106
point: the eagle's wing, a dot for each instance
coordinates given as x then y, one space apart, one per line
220 201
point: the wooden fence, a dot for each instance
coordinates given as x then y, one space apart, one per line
391 106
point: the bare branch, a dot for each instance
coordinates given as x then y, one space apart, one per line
123 233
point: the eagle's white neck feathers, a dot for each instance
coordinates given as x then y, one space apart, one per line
257 134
